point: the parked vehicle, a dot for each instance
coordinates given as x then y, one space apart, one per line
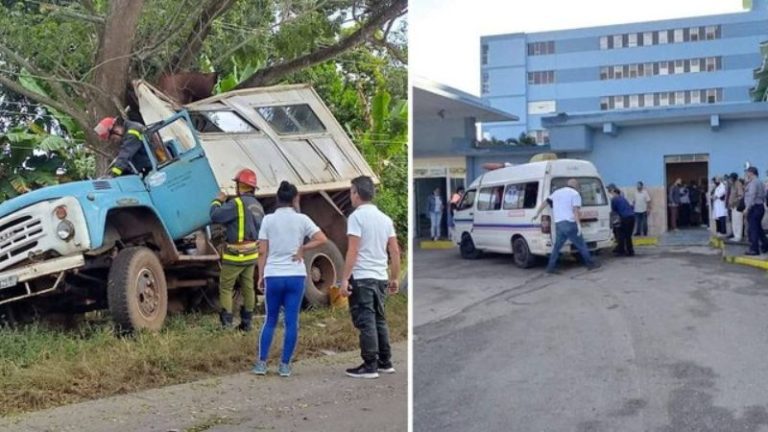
497 210
132 243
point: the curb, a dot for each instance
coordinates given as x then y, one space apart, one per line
642 241
748 261
436 245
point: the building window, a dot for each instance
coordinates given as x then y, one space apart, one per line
604 103
695 97
541 77
664 99
485 84
694 34
632 40
695 65
647 39
712 32
618 72
648 69
484 58
679 67
680 98
603 73
541 107
678 36
634 101
711 96
663 68
541 48
540 136
663 37
618 41
711 64
603 42
633 71
648 100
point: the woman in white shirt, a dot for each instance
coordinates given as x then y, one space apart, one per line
282 272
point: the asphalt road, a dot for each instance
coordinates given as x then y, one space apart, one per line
317 397
668 341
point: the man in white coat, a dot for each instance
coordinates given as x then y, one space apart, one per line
719 208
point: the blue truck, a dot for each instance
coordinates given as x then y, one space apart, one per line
137 245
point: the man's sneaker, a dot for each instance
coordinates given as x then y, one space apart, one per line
260 368
284 370
386 367
363 371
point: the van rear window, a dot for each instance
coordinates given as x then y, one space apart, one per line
521 196
590 188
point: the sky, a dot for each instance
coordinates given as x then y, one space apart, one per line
444 35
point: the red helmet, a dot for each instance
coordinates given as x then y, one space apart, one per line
247 177
104 127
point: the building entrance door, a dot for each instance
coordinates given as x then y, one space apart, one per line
693 171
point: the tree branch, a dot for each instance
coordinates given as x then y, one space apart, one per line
202 28
45 100
377 18
57 88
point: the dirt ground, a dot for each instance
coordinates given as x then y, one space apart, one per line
317 397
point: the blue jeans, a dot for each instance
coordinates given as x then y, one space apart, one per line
286 292
641 224
567 230
434 220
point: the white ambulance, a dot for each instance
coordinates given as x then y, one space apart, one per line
496 213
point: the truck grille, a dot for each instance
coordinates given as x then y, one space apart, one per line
18 236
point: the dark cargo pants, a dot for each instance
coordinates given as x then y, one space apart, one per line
366 304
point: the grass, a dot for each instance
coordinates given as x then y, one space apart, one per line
43 367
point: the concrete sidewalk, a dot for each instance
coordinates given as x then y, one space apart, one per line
318 397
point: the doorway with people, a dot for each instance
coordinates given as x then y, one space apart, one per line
687 191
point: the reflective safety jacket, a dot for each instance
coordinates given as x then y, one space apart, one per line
132 150
242 216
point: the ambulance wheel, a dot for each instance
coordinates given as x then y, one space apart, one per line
137 293
324 267
467 248
522 254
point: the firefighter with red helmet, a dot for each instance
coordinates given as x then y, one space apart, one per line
129 136
242 216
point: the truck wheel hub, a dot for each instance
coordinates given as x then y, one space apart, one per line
146 290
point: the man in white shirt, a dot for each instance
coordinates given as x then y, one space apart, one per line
565 203
371 234
642 205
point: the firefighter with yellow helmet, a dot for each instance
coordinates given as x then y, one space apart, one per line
242 216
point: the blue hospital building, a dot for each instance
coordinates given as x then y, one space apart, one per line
651 101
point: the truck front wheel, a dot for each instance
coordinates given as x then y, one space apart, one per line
324 267
137 293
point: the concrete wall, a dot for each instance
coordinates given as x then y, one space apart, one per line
442 137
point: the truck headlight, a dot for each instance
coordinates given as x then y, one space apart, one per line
65 230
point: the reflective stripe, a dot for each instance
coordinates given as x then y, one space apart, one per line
241 257
135 133
116 170
240 220
216 203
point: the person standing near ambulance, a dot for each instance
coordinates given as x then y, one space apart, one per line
566 204
242 216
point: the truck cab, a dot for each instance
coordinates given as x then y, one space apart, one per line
53 238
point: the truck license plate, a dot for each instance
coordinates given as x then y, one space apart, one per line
8 282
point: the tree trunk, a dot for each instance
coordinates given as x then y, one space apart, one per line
111 73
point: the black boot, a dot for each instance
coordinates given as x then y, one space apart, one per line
226 319
246 319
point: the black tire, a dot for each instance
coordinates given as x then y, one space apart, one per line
522 254
324 267
467 248
137 292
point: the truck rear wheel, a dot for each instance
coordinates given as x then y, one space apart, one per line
324 267
137 292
